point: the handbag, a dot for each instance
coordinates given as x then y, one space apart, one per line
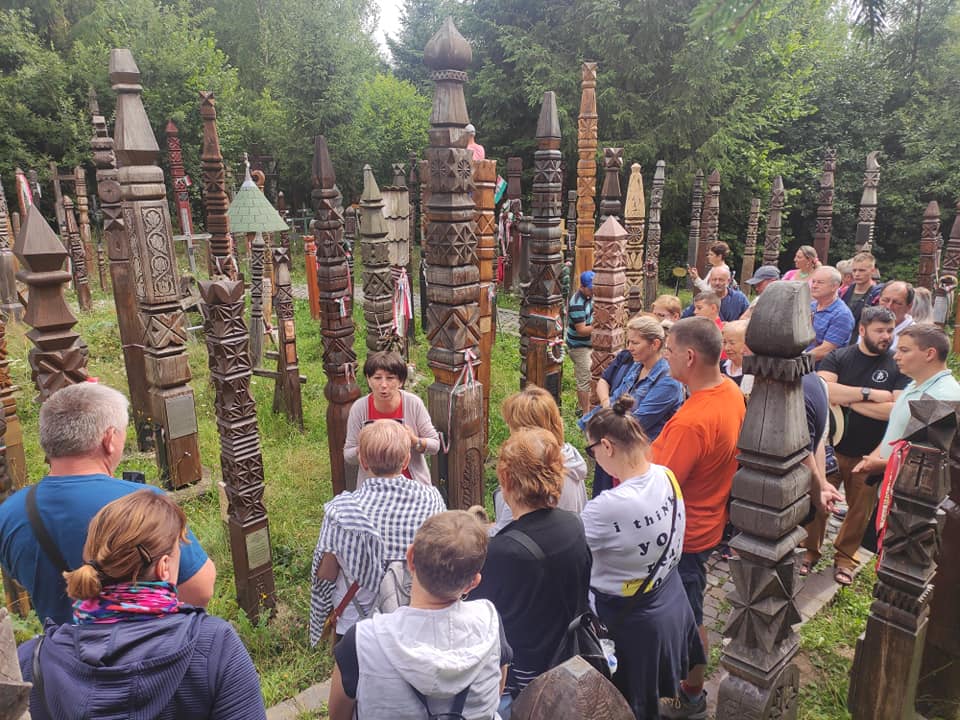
330 624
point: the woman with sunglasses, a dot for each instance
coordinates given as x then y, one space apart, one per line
635 532
134 650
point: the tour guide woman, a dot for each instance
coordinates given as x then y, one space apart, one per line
386 372
135 651
635 532
641 372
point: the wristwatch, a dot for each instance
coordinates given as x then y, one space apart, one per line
865 393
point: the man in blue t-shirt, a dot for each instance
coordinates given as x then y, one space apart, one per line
83 429
579 331
733 303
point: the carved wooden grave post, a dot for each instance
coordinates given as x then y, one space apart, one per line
514 206
348 239
396 209
310 260
455 399
240 458
611 202
569 250
635 216
414 224
770 498
696 213
651 264
101 136
286 395
181 185
57 202
83 218
609 309
14 693
540 318
586 170
824 226
573 690
59 357
951 266
375 256
221 256
336 315
156 280
868 204
709 222
9 302
78 259
772 238
930 239
886 664
750 247
485 182
424 168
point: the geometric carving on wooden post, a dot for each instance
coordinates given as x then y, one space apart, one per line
513 206
310 260
950 265
424 171
651 263
634 217
59 357
9 302
396 215
930 240
867 217
609 307
156 279
586 170
485 182
769 500
569 250
540 321
378 283
696 213
181 182
240 458
455 399
824 226
78 258
886 665
772 238
129 321
750 247
336 314
286 395
611 202
709 222
573 690
221 256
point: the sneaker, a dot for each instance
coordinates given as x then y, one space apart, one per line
684 707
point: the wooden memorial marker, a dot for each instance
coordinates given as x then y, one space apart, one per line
867 218
824 227
485 182
930 239
709 222
348 239
221 254
14 693
609 308
9 302
286 394
696 214
634 218
78 258
573 690
377 279
86 237
611 202
570 248
181 185
950 265
412 185
310 260
59 357
336 315
586 170
770 498
240 456
157 282
455 399
750 247
514 209
396 215
424 169
541 324
772 238
57 202
651 264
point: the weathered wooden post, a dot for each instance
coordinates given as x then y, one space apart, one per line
634 218
867 218
57 201
696 214
94 108
513 206
611 201
951 266
78 259
351 221
221 255
310 260
651 264
772 237
573 690
929 248
540 318
886 664
824 227
375 256
157 285
14 693
750 246
9 302
586 170
424 169
709 222
59 357
181 185
770 498
240 458
609 308
455 399
396 209
570 249
286 394
336 315
414 219
485 182
83 217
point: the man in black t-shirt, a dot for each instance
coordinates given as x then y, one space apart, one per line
863 379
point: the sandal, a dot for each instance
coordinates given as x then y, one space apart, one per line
842 577
805 567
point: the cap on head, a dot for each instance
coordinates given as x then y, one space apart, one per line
764 272
586 279
470 129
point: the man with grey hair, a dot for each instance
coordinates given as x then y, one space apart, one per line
832 320
898 296
733 303
83 429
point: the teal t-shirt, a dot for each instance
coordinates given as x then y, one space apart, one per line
941 386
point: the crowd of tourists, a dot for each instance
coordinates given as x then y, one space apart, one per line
437 612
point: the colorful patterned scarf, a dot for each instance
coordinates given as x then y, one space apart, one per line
127 601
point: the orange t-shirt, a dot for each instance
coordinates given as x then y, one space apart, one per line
699 444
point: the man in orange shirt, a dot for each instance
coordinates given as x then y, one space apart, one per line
699 444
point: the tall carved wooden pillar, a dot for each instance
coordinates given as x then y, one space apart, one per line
485 182
78 258
951 266
424 168
696 214
129 321
9 302
181 182
375 256
569 250
635 216
750 246
586 170
540 318
609 308
414 222
773 237
770 498
286 395
102 264
336 315
348 239
221 257
240 458
157 283
651 264
59 357
867 218
310 260
514 208
886 664
83 219
611 201
455 399
930 239
396 209
709 222
57 202
824 228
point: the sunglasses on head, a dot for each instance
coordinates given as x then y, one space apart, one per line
370 422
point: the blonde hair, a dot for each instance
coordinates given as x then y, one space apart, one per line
671 303
125 540
531 467
648 326
533 407
384 447
449 550
737 327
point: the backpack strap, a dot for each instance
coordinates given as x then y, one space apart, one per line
528 542
456 710
47 544
37 678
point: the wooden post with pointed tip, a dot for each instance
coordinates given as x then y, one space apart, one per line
651 264
930 248
221 256
9 302
78 259
396 209
750 247
867 217
375 256
951 266
609 308
773 237
634 218
611 202
709 222
586 170
485 182
696 214
513 206
824 227
83 220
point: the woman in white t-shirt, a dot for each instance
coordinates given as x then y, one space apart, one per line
635 532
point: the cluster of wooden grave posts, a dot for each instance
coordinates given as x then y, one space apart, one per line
458 233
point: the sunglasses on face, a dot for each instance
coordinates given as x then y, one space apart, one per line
589 449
